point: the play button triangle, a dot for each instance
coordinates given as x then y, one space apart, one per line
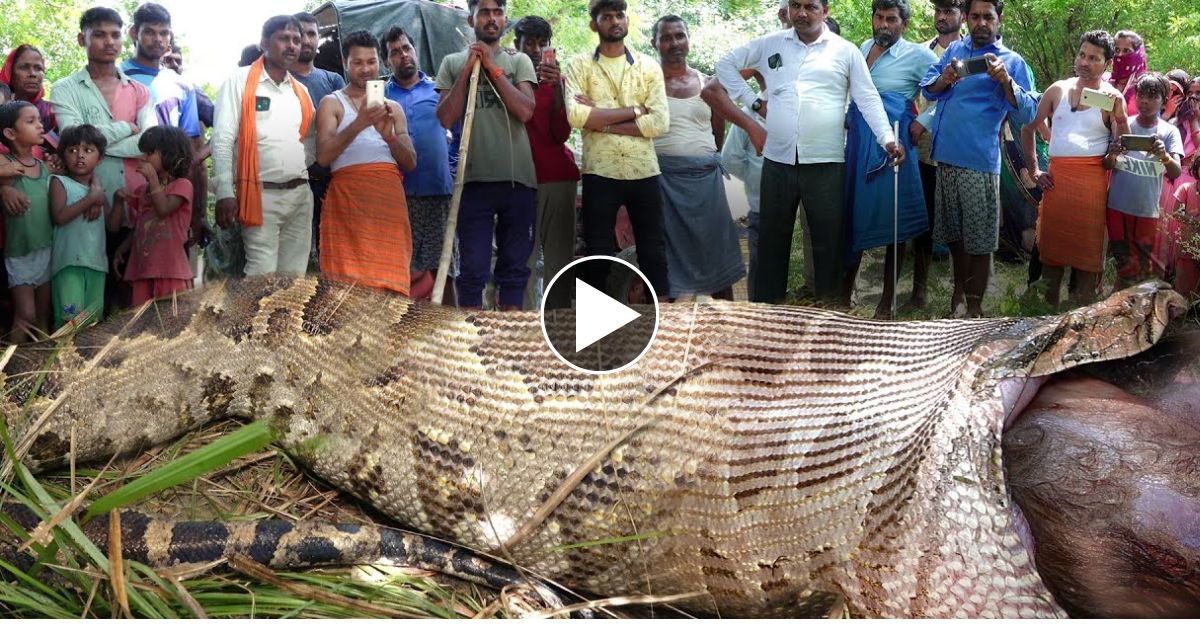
597 315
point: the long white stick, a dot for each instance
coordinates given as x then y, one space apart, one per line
439 284
895 221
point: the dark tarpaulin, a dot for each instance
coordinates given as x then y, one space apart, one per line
436 30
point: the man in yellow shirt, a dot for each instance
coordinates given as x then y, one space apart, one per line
617 97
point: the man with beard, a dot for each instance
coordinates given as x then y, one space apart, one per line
320 83
966 145
897 67
500 182
947 21
703 254
367 239
175 100
259 158
557 173
617 98
1071 218
812 74
429 185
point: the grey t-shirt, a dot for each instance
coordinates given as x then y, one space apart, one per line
1138 177
499 150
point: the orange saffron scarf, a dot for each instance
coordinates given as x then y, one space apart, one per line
249 188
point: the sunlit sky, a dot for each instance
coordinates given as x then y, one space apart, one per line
213 32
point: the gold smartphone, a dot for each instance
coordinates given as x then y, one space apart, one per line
1097 99
374 93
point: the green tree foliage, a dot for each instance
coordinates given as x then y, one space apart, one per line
1045 32
51 25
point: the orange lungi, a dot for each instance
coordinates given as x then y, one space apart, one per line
1071 219
365 236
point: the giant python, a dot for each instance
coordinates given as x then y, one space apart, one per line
774 459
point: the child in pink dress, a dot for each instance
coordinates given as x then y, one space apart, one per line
1187 263
160 213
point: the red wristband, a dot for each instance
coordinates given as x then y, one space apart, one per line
496 73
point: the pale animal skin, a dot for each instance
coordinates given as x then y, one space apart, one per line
775 459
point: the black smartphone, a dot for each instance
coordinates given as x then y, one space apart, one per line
1135 142
968 67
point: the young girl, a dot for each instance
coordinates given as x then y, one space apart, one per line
1187 256
28 231
78 205
160 213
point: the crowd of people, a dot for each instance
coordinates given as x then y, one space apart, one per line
104 181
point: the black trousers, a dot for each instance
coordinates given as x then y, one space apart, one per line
820 187
642 198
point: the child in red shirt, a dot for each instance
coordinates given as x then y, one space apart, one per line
160 213
1187 263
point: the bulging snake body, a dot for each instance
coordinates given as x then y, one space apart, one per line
773 459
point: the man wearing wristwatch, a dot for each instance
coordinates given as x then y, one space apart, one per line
619 100
500 181
366 238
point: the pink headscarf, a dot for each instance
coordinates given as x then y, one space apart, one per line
1129 66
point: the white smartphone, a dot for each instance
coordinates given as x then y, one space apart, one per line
374 93
1097 99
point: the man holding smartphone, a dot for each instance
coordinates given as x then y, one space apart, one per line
966 146
1075 185
557 173
364 140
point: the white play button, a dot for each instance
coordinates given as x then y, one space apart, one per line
602 332
597 315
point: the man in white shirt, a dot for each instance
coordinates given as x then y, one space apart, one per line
273 203
811 74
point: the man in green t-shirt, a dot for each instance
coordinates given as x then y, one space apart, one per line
500 183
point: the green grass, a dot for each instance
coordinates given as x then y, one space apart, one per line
222 473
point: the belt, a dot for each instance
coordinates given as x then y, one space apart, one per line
288 185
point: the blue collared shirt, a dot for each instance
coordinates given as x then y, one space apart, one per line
432 176
901 67
966 128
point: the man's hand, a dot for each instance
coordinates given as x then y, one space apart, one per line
548 72
15 201
949 76
227 210
373 116
10 168
758 138
200 232
1044 179
996 69
480 51
915 131
897 153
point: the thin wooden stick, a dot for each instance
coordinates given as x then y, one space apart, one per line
439 285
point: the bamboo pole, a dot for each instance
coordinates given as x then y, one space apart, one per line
439 284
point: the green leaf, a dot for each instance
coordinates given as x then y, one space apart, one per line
249 439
